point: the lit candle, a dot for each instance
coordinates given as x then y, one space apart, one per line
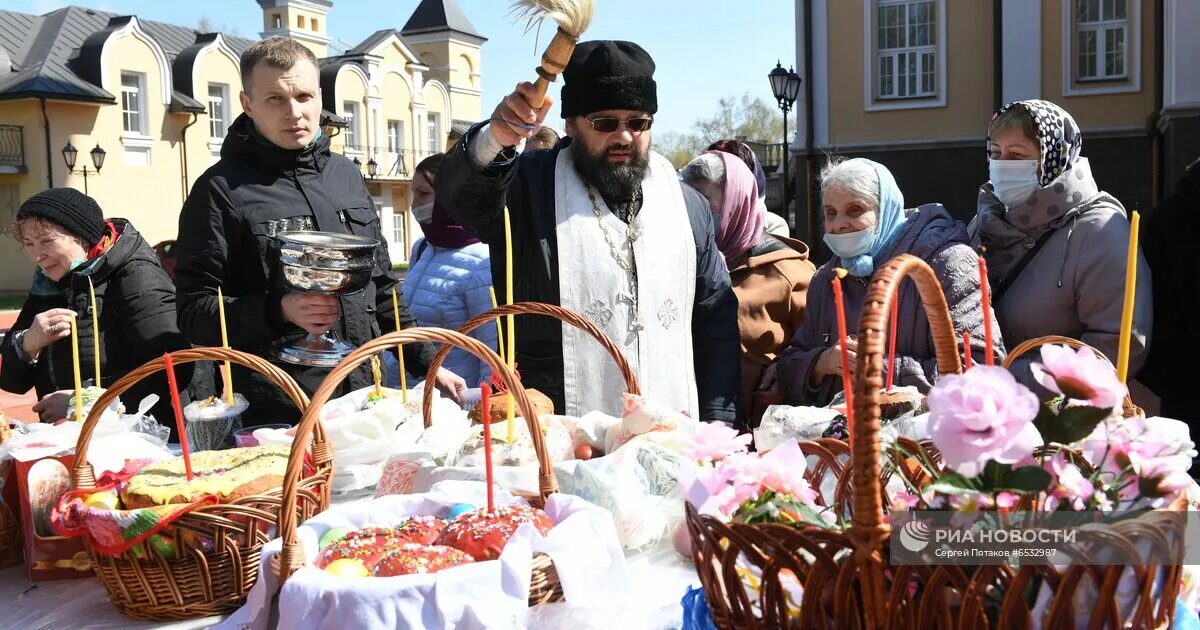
986 301
400 348
892 338
169 365
499 331
75 364
1127 310
95 330
226 369
508 294
376 375
485 402
967 349
841 323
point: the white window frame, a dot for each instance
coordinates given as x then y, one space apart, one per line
1132 82
220 105
400 224
433 126
872 101
138 96
350 111
395 142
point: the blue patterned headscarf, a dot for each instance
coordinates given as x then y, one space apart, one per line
889 224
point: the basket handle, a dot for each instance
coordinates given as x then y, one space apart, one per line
291 557
82 475
1128 409
868 529
533 308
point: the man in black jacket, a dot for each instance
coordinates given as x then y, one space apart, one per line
602 226
1169 237
277 173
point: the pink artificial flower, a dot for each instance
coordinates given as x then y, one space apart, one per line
1079 375
904 501
785 465
1068 482
980 416
714 441
1006 500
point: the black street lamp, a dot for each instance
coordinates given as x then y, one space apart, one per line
372 168
70 154
785 85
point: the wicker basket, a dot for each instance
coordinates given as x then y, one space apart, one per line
201 582
544 586
1128 409
846 578
11 541
534 308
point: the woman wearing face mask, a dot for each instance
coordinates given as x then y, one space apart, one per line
866 225
1055 243
449 274
65 234
770 274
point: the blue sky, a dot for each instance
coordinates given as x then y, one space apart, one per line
704 49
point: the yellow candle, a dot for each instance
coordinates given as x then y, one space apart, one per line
499 331
95 329
226 370
508 294
1130 288
400 348
75 364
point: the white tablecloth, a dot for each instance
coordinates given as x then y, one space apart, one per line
658 578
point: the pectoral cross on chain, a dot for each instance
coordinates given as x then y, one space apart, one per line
635 322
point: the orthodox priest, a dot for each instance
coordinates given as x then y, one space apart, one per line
602 226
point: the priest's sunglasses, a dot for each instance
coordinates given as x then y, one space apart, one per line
608 124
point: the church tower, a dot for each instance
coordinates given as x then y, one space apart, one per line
440 33
301 20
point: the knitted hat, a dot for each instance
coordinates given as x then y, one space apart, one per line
74 211
608 75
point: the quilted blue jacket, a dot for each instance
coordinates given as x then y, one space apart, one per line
445 288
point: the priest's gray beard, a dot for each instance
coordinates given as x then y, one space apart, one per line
615 181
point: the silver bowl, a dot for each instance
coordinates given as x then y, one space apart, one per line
327 281
326 250
327 263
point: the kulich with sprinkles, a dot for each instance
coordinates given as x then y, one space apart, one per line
414 558
230 475
483 535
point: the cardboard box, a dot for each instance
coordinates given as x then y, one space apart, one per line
39 483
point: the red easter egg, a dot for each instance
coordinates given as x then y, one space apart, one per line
583 451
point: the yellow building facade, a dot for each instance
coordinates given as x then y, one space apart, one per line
913 84
158 99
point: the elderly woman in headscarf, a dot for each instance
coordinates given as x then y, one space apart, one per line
774 224
449 274
1055 243
770 274
866 225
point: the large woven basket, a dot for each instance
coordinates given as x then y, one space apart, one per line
846 577
201 582
565 316
544 586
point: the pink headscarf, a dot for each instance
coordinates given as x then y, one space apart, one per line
740 223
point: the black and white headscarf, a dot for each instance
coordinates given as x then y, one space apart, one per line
1057 134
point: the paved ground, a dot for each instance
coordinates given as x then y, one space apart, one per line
15 405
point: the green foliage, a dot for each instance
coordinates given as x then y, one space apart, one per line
753 119
1070 424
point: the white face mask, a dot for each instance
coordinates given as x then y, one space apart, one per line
851 244
1014 181
423 213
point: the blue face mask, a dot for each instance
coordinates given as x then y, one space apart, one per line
851 244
